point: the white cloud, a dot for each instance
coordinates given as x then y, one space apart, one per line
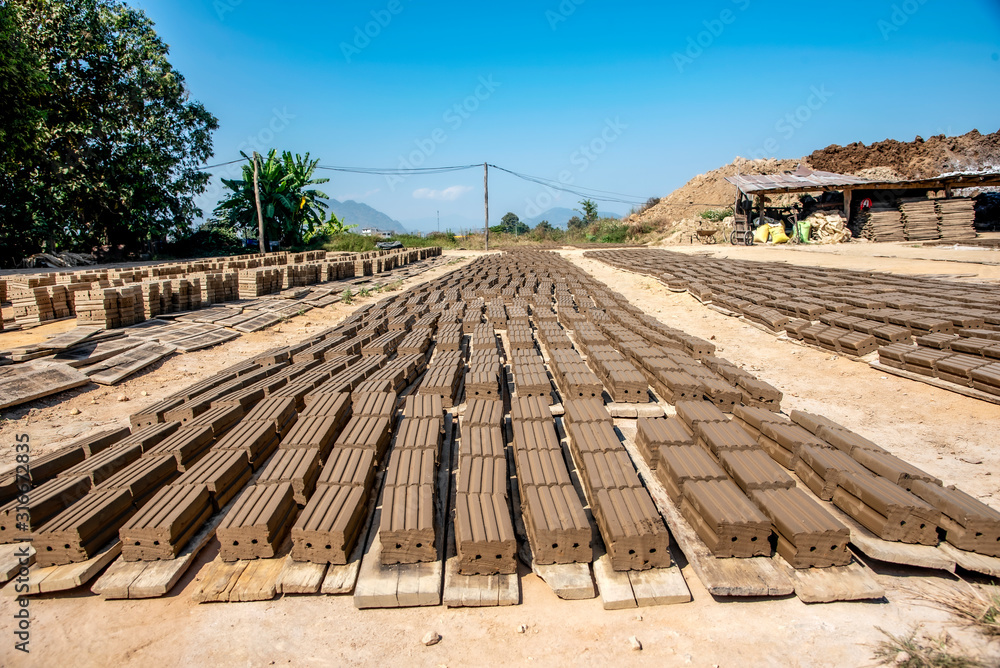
448 194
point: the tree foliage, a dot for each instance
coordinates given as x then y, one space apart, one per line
102 144
575 224
511 224
290 206
588 208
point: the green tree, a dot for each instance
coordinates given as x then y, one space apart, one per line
588 208
575 224
511 224
115 157
290 206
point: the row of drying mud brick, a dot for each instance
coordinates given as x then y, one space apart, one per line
122 297
848 312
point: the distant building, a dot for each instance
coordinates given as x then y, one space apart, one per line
375 232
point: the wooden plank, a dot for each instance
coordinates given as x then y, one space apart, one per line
71 338
938 383
219 578
340 579
28 382
758 576
659 586
301 577
68 576
571 582
122 366
854 582
970 561
258 582
615 586
11 559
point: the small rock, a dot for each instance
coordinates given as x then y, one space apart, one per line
76 411
432 638
522 628
638 618
144 393
122 397
634 642
971 461
902 657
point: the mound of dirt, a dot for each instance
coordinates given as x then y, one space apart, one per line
918 159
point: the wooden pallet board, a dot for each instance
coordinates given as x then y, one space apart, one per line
118 368
970 561
300 577
11 559
407 585
27 382
758 576
71 338
472 591
970 392
153 579
92 352
854 582
206 340
68 576
615 586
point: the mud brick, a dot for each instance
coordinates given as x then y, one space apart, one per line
961 366
18 520
719 437
556 524
795 326
366 432
330 524
529 409
411 467
218 419
245 398
892 334
154 414
258 440
682 464
484 413
224 473
77 533
50 465
162 528
425 405
754 469
540 467
756 392
186 446
407 526
812 333
969 524
95 443
298 466
102 466
725 519
592 437
937 341
750 418
258 522
633 531
484 535
142 478
420 433
895 353
892 468
582 385
821 468
930 325
925 359
693 413
987 376
148 437
848 441
336 405
352 467
607 470
887 510
721 393
489 442
812 422
277 411
652 433
782 442
587 410
808 535
857 344
827 338
297 391
626 385
314 432
677 386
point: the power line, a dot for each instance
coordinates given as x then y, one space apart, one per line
398 171
579 192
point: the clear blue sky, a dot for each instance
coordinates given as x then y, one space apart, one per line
655 93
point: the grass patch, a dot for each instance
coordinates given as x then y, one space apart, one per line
914 650
347 297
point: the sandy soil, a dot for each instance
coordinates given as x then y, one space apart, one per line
933 428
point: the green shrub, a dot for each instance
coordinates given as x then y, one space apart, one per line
717 215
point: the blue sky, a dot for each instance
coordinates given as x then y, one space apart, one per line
627 97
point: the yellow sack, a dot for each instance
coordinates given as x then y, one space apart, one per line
762 234
779 237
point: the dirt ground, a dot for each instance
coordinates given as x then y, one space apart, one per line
948 435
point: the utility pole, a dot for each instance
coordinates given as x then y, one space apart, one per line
260 213
486 195
439 222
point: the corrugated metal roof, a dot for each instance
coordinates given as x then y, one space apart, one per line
802 178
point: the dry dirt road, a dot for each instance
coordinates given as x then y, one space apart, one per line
939 431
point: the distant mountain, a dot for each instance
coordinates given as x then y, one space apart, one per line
559 216
362 215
